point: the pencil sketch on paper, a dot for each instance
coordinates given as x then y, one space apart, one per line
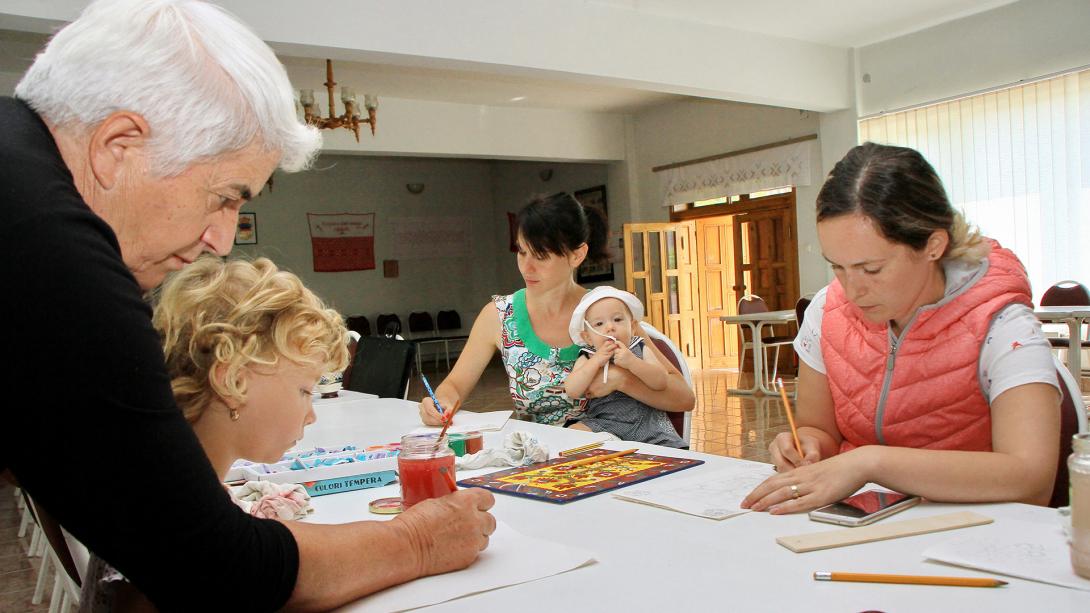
714 494
1028 550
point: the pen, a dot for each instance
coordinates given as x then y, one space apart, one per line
911 579
427 386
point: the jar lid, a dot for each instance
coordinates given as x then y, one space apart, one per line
1080 443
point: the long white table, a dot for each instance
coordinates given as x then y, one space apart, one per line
650 559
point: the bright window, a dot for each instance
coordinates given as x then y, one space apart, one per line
1017 162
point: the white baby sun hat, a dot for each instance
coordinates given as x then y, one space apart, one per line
575 326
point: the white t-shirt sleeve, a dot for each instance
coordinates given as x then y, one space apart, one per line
808 341
1015 352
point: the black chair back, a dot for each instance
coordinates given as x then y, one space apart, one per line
388 324
381 366
448 320
421 323
359 323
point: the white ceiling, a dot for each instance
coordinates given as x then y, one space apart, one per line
837 23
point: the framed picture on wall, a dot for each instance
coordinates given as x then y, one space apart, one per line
595 198
246 234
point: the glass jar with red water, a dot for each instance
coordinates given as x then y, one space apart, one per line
426 470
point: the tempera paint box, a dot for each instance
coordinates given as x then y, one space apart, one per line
329 473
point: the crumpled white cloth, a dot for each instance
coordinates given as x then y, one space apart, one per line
283 501
519 449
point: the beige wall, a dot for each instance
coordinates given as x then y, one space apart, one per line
479 191
697 128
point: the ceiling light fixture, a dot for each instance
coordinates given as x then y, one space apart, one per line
351 119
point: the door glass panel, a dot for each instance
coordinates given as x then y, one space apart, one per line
655 263
671 249
637 252
640 289
672 284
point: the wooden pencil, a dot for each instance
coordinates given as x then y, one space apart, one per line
790 416
600 458
575 450
909 579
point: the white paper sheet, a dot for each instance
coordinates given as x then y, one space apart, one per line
1027 550
712 494
468 421
511 558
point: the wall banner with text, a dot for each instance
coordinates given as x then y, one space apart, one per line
342 241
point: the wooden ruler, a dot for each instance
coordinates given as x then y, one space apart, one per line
813 541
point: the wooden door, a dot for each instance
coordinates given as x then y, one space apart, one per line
766 257
766 262
660 269
715 271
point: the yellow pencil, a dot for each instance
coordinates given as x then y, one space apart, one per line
600 458
790 417
909 579
575 450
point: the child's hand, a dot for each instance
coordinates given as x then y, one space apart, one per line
602 354
623 356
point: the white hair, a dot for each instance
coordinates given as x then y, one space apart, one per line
204 82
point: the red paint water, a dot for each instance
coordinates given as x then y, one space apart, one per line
421 478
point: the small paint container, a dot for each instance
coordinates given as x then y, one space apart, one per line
464 444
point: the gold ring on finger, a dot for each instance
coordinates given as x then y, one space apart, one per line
795 491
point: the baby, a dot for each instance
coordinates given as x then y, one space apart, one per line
245 344
603 322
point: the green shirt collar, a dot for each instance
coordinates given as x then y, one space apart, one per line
529 338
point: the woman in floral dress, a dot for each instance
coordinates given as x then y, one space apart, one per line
530 327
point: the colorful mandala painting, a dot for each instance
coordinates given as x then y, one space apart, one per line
558 481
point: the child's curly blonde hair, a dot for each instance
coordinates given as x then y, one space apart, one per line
216 315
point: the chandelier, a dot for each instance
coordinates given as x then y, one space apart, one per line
351 119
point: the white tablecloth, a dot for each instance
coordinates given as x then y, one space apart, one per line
656 560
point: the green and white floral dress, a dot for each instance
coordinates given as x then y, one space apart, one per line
535 371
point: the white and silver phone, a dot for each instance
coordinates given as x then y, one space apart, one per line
864 508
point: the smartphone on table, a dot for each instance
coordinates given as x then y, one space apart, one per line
864 508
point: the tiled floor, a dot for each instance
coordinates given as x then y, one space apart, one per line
735 426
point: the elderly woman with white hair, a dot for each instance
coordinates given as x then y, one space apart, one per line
130 146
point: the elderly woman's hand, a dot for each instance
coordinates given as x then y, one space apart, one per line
811 486
448 533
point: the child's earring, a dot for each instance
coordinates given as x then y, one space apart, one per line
233 414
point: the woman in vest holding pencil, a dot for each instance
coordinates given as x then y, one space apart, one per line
922 367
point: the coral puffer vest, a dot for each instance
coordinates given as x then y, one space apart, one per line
921 390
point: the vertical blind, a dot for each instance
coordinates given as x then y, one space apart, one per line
1017 162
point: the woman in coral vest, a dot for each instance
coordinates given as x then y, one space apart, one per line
922 366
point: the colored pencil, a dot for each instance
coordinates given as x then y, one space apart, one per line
600 458
427 386
790 416
909 579
575 450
